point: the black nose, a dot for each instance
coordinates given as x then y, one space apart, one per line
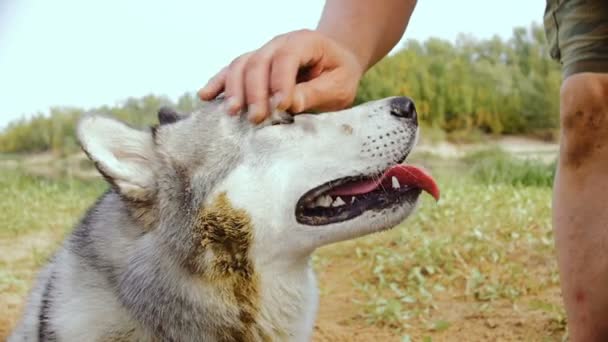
403 107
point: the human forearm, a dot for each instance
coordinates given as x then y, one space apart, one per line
368 28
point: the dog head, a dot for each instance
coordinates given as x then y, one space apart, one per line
302 183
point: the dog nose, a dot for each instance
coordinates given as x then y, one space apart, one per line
403 107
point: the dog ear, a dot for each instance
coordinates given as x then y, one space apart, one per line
123 155
167 115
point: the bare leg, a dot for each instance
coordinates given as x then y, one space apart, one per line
580 205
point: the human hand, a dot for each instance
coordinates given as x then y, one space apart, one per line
296 71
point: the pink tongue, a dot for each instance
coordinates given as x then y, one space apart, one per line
407 175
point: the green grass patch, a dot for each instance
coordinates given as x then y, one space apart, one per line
31 203
495 166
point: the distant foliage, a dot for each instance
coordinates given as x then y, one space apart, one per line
462 88
490 85
56 132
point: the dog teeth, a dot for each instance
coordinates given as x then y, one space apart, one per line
395 182
326 201
338 202
323 201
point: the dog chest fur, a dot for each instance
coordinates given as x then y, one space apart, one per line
223 237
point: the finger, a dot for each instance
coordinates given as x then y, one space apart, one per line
301 49
283 72
214 87
256 86
326 92
234 85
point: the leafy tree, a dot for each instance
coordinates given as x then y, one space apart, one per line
491 85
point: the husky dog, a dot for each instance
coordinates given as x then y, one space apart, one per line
207 229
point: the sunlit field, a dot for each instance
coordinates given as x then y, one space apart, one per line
478 265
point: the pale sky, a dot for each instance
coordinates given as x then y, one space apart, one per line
87 53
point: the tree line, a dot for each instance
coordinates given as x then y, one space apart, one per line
496 86
56 132
493 85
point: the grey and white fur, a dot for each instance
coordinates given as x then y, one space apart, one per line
196 239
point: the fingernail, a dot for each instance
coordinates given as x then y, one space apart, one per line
254 115
256 118
275 100
232 104
252 110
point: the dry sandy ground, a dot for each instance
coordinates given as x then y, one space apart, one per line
339 318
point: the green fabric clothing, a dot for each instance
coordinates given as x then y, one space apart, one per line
577 34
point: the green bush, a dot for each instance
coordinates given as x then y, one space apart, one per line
468 136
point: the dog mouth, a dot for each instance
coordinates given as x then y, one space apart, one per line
347 198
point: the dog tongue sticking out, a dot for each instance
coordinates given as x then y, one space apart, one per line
394 177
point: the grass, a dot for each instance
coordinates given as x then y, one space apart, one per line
478 245
35 204
494 166
35 214
32 203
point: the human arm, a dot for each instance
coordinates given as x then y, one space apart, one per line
318 69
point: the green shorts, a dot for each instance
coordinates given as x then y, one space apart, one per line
577 34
